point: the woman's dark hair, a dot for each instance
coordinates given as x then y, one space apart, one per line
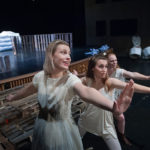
92 63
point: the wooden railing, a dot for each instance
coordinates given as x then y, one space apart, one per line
80 66
16 81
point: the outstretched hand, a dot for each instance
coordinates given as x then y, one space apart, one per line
75 72
124 100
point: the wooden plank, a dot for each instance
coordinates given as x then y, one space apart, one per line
19 133
8 114
27 106
22 137
5 144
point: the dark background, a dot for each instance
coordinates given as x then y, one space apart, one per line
44 16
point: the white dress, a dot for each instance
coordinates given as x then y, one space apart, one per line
54 127
118 74
98 121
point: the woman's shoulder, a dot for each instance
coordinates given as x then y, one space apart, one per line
72 78
37 78
39 74
119 70
71 75
110 81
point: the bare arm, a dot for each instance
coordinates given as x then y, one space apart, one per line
91 95
24 92
115 83
135 75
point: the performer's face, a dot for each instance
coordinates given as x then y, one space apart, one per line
112 61
100 69
61 57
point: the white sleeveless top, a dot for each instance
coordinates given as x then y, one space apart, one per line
98 121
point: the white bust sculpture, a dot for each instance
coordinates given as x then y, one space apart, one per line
136 40
135 51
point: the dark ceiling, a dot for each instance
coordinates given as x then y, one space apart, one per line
43 16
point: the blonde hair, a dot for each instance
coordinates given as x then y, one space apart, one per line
48 66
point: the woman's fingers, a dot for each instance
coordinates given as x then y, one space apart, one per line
126 97
127 90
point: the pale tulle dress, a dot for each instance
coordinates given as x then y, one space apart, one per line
56 131
96 120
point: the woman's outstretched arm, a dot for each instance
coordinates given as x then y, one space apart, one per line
24 92
92 96
115 83
135 75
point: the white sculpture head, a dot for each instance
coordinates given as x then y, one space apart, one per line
136 40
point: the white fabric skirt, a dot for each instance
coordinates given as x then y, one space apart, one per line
56 135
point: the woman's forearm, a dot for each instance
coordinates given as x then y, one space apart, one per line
141 89
93 96
24 92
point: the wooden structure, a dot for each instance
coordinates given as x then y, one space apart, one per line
17 120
